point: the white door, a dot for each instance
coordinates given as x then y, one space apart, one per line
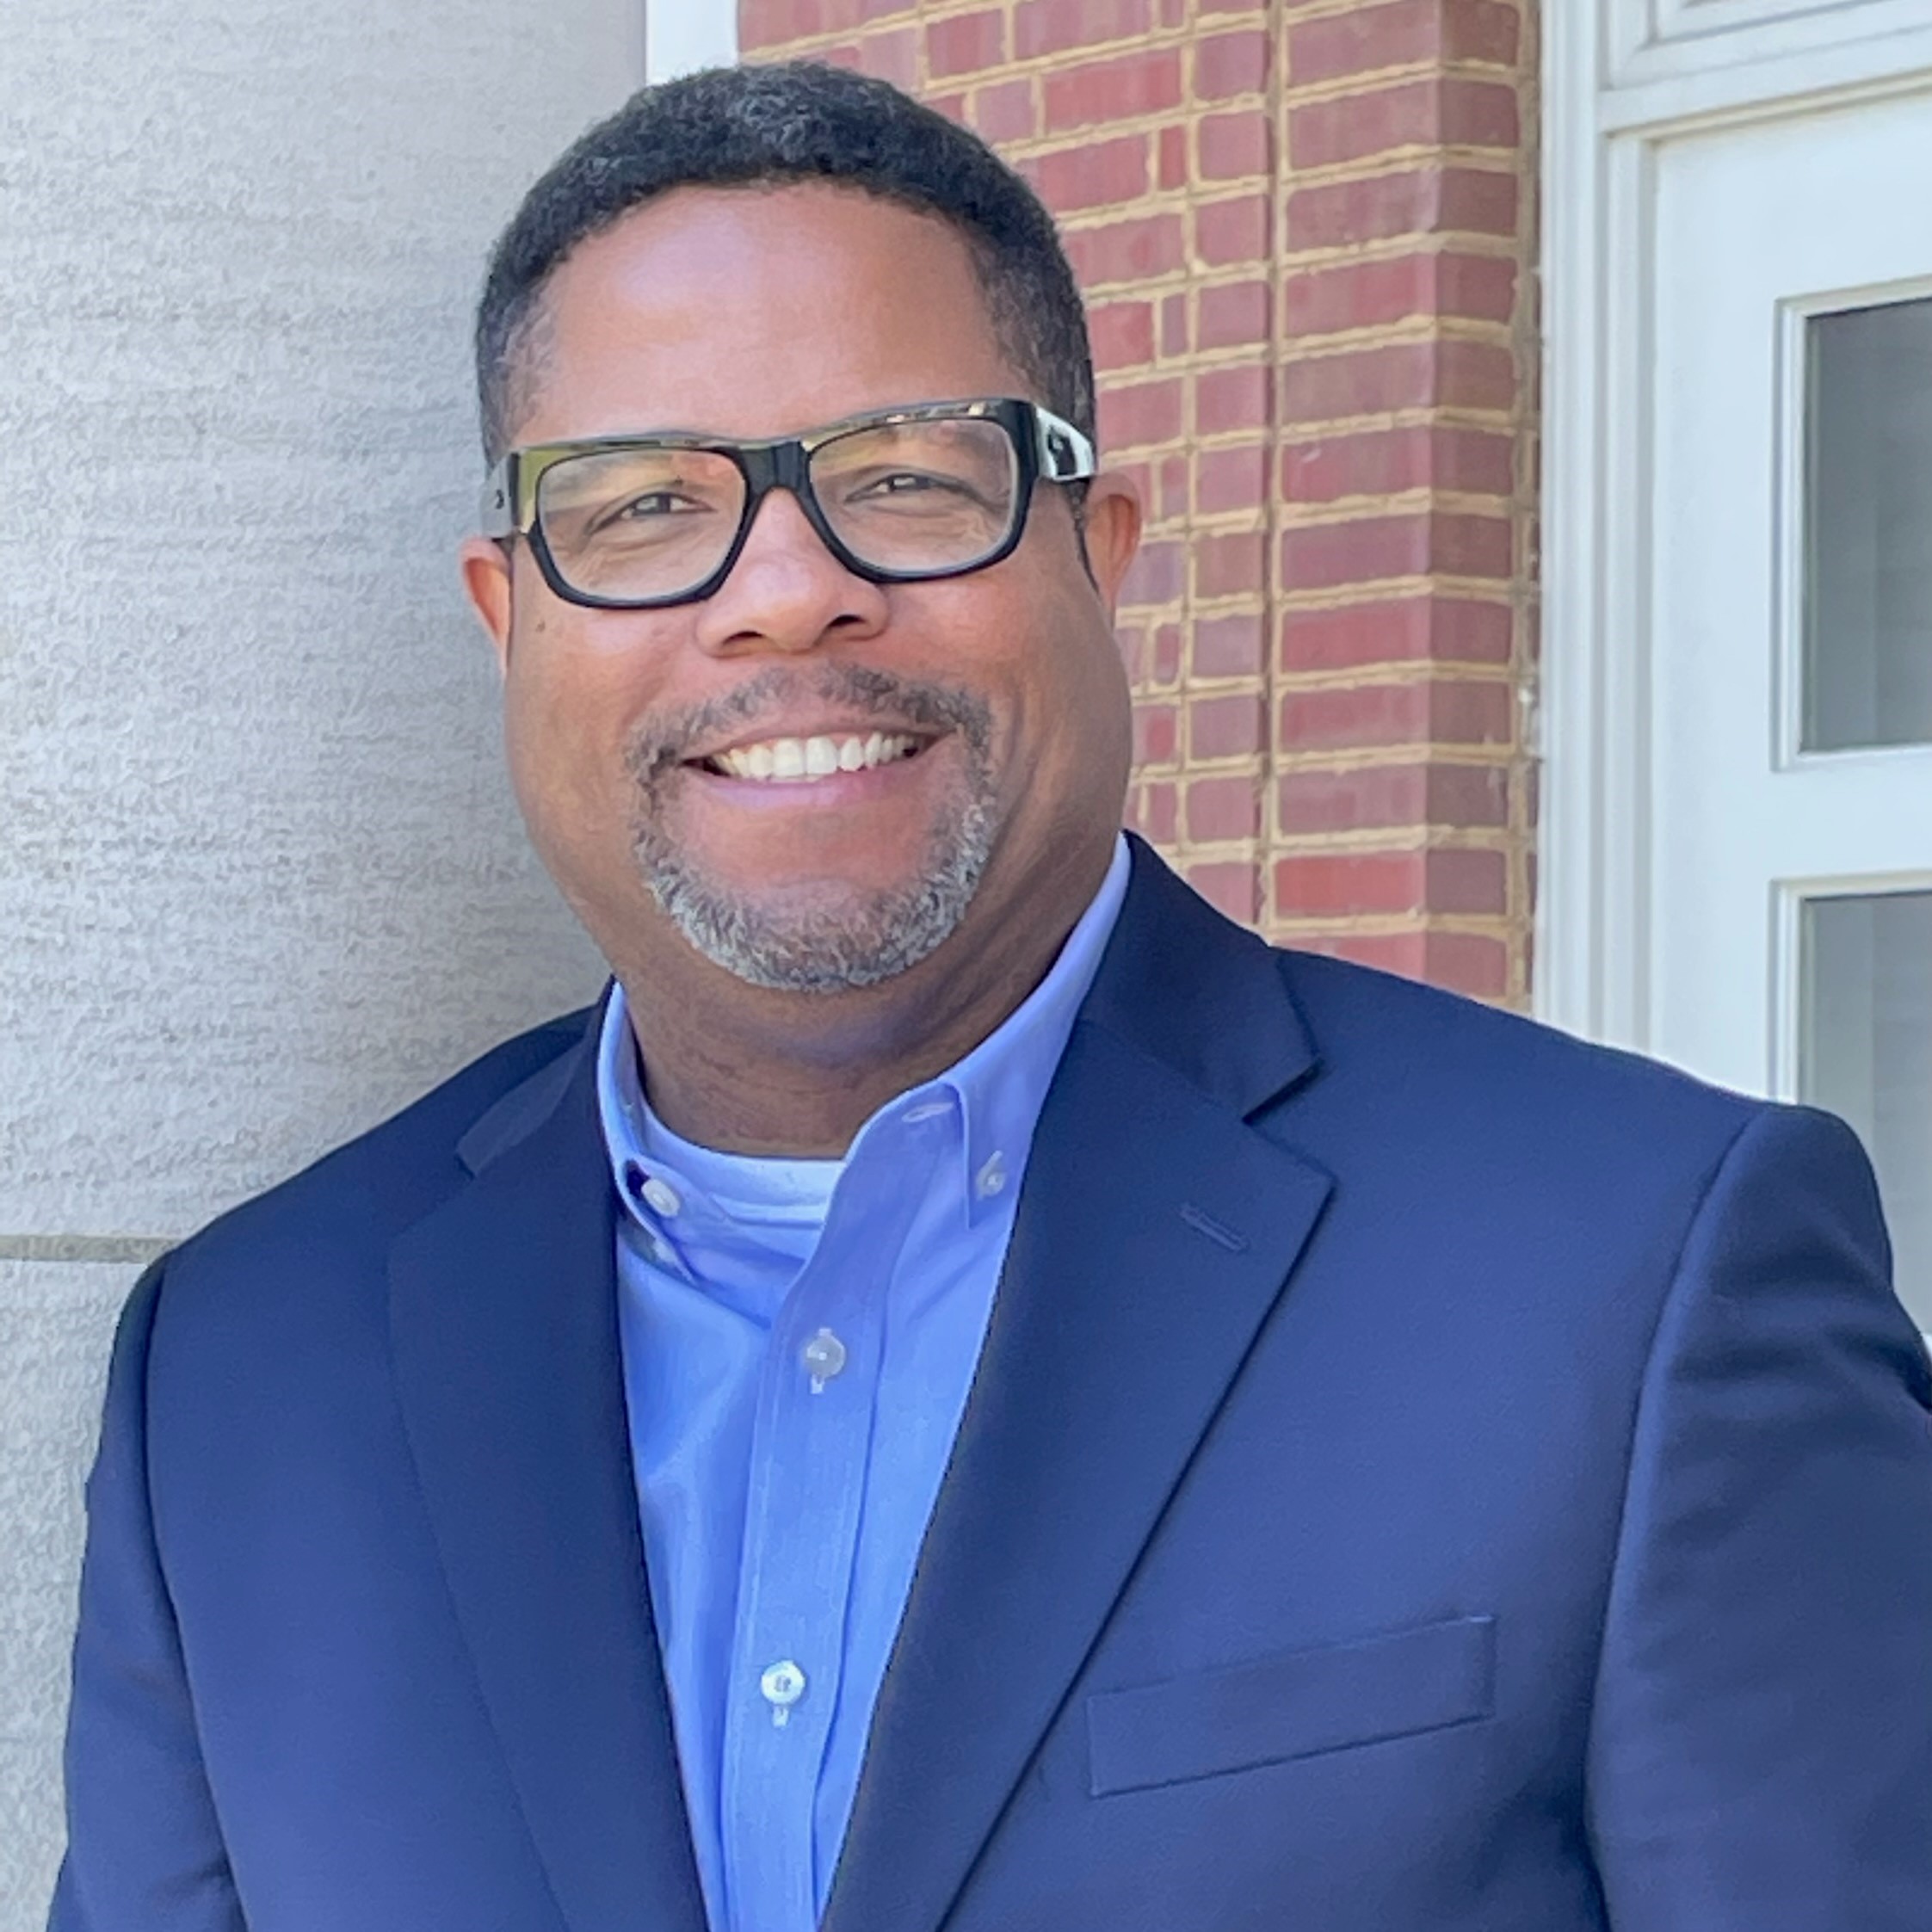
1790 578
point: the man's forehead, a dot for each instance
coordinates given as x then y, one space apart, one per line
758 312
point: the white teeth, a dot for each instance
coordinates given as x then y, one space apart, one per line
817 756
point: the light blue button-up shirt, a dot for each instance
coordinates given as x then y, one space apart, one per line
798 1340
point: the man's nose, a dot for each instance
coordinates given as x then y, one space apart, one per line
786 591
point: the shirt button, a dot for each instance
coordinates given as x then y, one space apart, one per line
660 1197
991 1178
781 1686
824 1357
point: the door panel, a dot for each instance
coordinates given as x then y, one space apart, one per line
1790 936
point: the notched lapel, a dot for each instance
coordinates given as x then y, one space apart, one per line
503 1322
1155 1231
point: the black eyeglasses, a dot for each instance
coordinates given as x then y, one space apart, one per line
634 522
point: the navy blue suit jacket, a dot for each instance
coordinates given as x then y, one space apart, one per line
1425 1475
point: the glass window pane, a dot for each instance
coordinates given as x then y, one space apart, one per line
1866 1054
1868 529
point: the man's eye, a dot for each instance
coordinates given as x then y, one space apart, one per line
657 502
905 482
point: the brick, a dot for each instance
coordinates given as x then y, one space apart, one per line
1445 629
1367 38
1174 326
1234 231
963 43
1415 201
1480 287
1227 65
1233 145
892 57
1231 398
1331 886
1117 89
1222 808
1398 952
1402 375
1134 250
1232 888
1228 565
1171 160
1471 963
1091 174
1169 640
952 106
1422 710
1383 462
1175 501
1472 713
1229 727
1464 881
1440 112
1233 314
1050 26
1371 797
1121 334
1157 733
1416 544
1134 414
1228 646
1231 479
763 23
1003 111
1361 294
1157 575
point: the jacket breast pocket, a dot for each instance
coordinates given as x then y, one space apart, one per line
1295 1704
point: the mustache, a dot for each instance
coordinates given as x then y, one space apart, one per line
664 740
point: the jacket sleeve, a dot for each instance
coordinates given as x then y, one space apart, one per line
144 1845
1760 1749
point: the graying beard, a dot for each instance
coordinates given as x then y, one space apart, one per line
821 953
828 953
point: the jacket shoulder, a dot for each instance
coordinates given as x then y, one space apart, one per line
1408 1042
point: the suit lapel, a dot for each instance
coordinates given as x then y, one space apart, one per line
1155 1229
503 1322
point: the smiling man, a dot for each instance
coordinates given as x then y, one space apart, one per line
969 1391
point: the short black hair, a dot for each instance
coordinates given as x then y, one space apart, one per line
771 126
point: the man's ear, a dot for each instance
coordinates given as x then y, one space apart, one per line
1110 527
485 567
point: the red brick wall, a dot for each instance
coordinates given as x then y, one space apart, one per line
1303 228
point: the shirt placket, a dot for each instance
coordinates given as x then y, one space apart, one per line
811 1447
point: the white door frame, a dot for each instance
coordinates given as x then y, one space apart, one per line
1621 77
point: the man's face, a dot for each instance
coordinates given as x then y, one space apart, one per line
633 736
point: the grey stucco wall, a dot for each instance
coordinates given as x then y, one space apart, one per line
260 880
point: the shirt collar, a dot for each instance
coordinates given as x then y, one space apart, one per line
999 1087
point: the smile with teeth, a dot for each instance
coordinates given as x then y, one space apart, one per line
811 757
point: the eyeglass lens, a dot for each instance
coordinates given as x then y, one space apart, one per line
916 498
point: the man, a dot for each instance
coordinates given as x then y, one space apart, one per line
970 1391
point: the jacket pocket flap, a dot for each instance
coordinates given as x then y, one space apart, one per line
1294 1705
